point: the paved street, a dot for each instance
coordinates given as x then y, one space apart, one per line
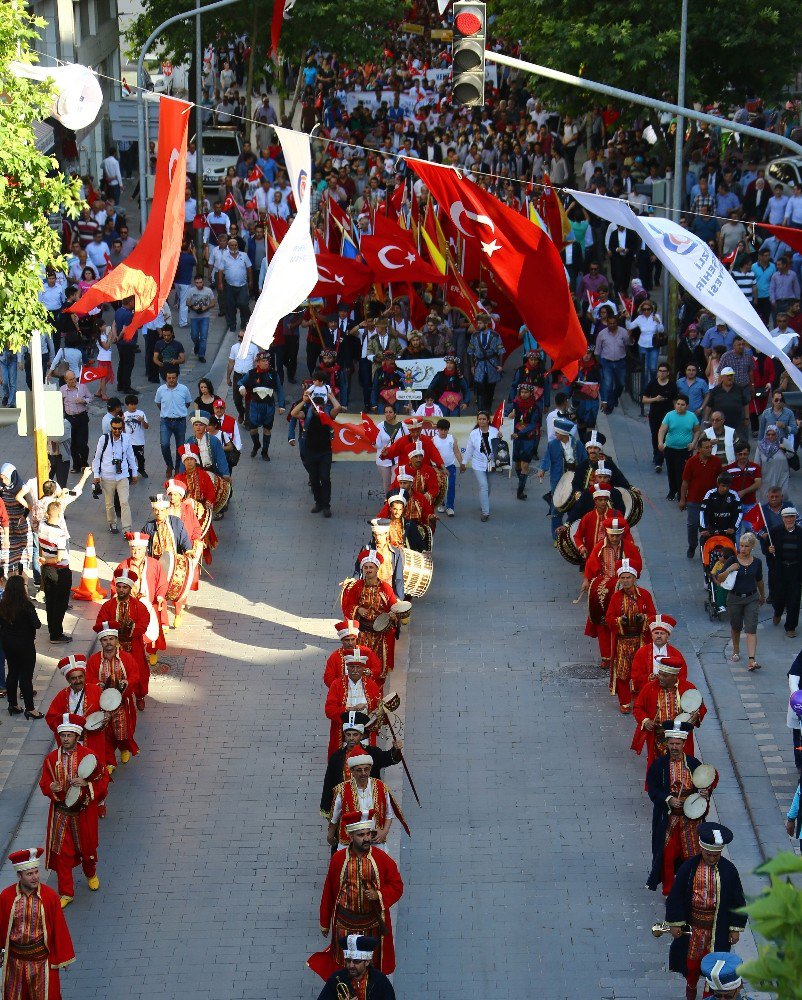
532 842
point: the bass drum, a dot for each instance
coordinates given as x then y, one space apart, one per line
442 487
633 505
418 569
564 494
222 492
179 569
601 590
565 544
204 513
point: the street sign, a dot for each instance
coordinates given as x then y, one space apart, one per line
406 395
54 413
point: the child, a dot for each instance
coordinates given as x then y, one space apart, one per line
428 407
135 426
114 408
452 458
793 820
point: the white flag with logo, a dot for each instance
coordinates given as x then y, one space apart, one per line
292 272
698 270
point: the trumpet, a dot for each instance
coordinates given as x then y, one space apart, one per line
662 928
343 993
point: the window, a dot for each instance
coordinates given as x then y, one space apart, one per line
783 172
86 24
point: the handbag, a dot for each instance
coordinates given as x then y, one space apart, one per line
793 461
501 453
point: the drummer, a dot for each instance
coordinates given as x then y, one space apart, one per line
562 458
392 568
112 667
590 530
348 634
660 701
131 619
601 476
647 659
627 618
669 782
416 515
600 579
357 692
425 479
199 488
75 782
400 449
184 508
167 538
367 599
80 697
150 588
338 770
594 447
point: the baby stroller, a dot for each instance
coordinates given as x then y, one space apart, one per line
715 551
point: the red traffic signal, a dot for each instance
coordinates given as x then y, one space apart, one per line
468 66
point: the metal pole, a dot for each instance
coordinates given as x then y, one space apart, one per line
198 134
676 200
143 195
649 102
41 462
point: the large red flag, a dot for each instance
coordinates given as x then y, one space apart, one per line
275 27
148 272
793 237
340 276
459 295
523 259
509 321
396 260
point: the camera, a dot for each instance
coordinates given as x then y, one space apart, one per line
118 465
96 491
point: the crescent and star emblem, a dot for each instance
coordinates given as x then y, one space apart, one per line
458 210
337 279
171 166
383 256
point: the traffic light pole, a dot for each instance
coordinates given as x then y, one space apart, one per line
649 102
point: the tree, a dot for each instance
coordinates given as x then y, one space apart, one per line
31 187
776 915
636 47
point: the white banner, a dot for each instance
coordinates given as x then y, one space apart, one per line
698 270
369 100
292 271
423 372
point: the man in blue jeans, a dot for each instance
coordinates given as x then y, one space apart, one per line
611 350
173 400
200 302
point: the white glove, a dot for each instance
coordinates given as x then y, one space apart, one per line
242 390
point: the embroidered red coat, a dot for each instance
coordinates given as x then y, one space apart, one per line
57 935
60 705
87 817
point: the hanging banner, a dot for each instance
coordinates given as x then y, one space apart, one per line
698 270
292 271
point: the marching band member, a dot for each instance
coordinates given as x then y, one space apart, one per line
72 828
707 897
648 657
80 697
361 885
348 634
720 969
424 478
403 532
629 610
392 568
362 794
169 542
601 478
590 530
595 455
675 836
357 691
657 704
150 588
201 489
37 939
358 976
418 514
131 619
401 448
181 506
111 666
338 769
366 599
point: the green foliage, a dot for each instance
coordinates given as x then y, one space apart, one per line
635 46
776 915
30 187
355 30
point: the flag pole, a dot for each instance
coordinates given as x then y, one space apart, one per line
765 521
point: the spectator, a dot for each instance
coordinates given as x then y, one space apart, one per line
611 350
745 597
677 437
659 396
729 399
114 463
695 388
76 398
136 423
55 569
168 353
699 477
783 286
18 624
173 400
200 302
235 270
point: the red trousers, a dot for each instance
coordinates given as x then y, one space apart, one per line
64 862
624 691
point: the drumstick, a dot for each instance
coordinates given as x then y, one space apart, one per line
579 598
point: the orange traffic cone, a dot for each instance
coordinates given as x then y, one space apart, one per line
88 589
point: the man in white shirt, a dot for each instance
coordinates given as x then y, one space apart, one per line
112 177
98 252
113 463
237 369
190 207
278 207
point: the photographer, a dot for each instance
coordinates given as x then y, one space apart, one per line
315 441
113 463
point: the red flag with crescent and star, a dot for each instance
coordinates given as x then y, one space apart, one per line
396 260
525 262
148 272
342 276
353 437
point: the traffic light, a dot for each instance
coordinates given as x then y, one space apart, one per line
468 69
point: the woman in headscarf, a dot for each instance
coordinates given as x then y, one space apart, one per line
771 457
11 489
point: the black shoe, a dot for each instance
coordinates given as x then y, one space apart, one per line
265 456
143 475
61 639
202 359
520 495
671 496
658 468
691 551
316 509
327 512
14 710
254 451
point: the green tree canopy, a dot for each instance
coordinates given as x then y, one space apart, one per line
635 46
30 186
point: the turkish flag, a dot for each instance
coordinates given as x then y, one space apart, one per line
199 222
255 174
322 416
396 200
594 298
390 230
755 516
793 237
229 203
148 272
525 262
397 260
498 416
341 276
275 26
90 374
459 295
351 437
550 209
369 428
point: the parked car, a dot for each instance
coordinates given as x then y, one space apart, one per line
785 170
221 149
